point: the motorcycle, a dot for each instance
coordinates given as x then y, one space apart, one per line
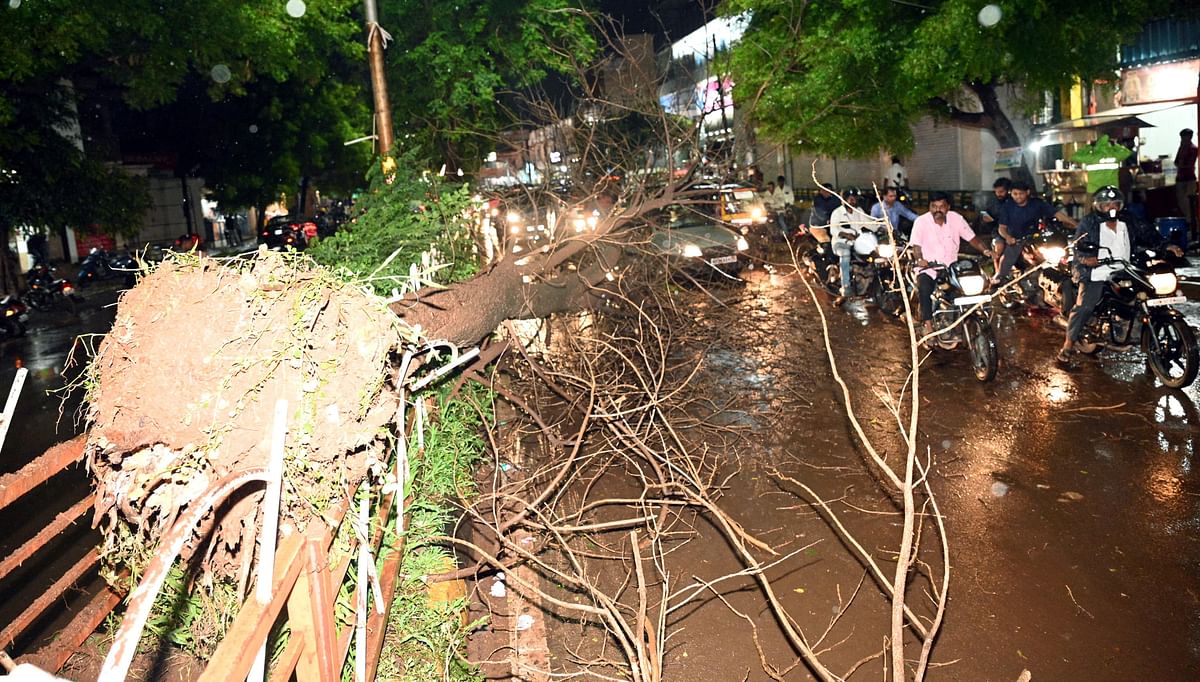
99 264
48 291
823 264
13 316
1047 244
1136 308
884 287
958 317
1054 279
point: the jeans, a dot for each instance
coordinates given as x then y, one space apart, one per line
845 259
1089 296
925 296
1012 252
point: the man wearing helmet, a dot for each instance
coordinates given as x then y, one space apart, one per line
846 223
1115 232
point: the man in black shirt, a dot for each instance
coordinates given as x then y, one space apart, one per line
1020 219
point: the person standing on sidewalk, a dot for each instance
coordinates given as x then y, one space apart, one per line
1185 180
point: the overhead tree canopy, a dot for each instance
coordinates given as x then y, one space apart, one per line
452 63
851 77
186 78
247 96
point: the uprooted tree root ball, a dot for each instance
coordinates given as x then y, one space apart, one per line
182 392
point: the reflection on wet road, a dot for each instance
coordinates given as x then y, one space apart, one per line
1070 496
42 417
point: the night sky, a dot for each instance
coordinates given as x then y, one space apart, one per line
664 18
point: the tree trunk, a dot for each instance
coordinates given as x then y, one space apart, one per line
532 287
993 119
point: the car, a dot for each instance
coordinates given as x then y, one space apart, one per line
738 206
696 244
283 232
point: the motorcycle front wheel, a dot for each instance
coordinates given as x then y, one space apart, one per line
888 300
1175 358
981 342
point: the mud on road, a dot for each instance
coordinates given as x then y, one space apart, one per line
1070 501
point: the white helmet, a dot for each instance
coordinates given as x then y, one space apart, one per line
866 243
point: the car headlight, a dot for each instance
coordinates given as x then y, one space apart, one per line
1164 283
887 251
972 285
579 224
513 217
742 244
592 220
692 251
515 229
757 213
1053 254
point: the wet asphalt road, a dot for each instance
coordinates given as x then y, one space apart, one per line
1071 496
46 414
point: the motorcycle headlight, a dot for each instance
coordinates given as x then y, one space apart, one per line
580 224
692 251
757 213
513 217
886 251
742 244
1164 283
1054 255
972 285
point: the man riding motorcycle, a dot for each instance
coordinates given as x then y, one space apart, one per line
936 238
846 223
1118 233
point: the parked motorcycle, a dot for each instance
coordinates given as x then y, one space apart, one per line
48 291
958 289
13 316
1136 308
100 264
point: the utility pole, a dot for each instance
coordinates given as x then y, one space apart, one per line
383 110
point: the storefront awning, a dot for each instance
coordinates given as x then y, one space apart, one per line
1092 126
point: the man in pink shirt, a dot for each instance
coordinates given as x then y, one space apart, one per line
935 239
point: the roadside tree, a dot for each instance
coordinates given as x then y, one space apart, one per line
851 78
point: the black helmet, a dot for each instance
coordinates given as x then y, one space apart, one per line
851 192
1106 195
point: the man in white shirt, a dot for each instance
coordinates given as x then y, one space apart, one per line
1105 230
846 223
780 200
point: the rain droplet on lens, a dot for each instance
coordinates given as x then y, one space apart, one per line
999 489
990 15
296 8
14 3
946 444
221 73
253 128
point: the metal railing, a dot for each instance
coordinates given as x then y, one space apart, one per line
303 591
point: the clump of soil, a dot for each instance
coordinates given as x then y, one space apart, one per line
182 391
